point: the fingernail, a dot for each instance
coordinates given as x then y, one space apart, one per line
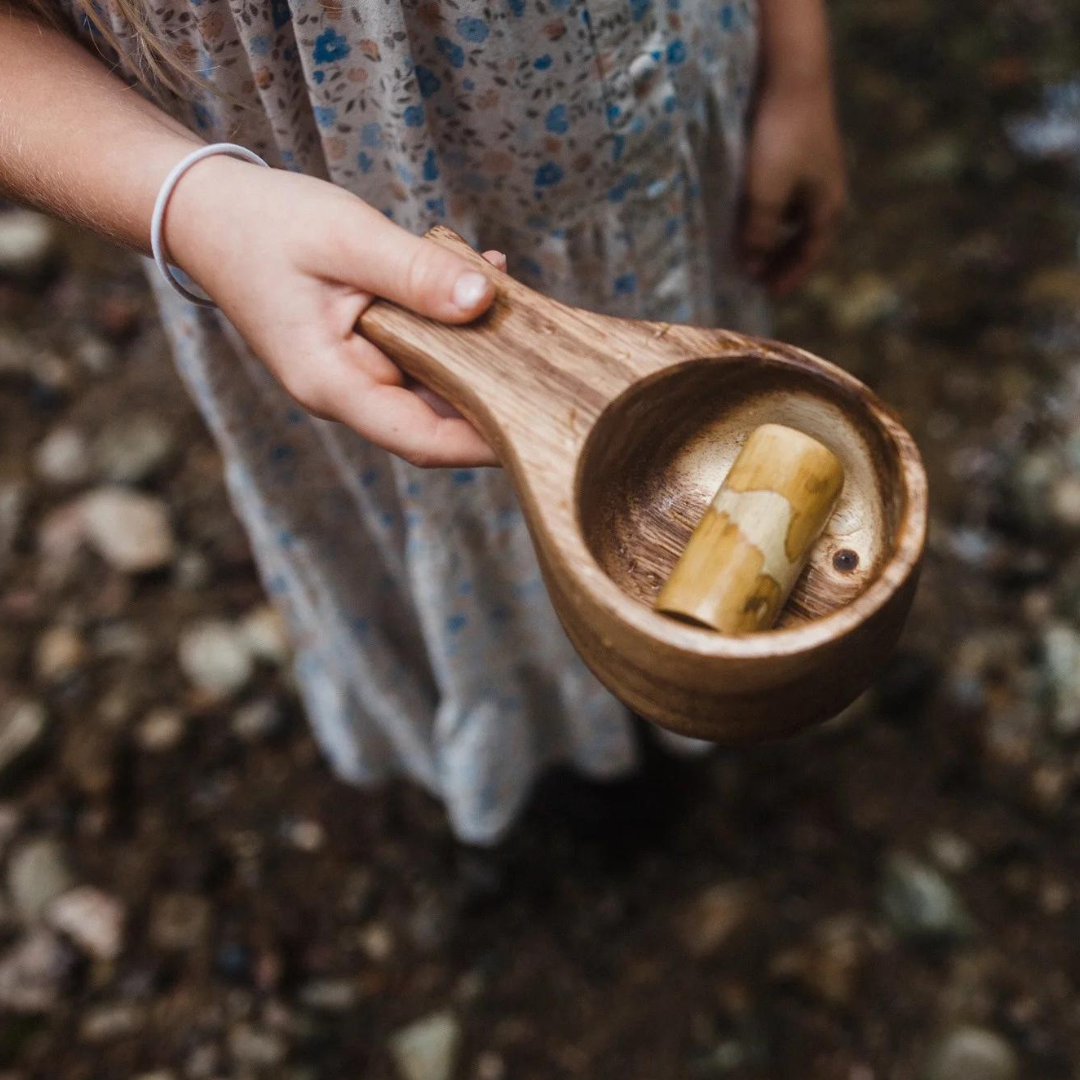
471 290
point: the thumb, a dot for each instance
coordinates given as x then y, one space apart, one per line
416 273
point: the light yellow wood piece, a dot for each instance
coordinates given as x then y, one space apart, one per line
752 544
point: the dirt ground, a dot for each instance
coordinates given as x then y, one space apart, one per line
893 896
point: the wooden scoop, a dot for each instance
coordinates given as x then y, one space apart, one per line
615 434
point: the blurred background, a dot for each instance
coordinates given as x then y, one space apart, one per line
186 893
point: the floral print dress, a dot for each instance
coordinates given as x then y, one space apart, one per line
599 144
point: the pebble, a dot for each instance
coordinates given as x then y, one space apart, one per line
23 733
33 972
37 875
92 919
377 941
216 657
179 921
128 529
305 834
972 1053
865 301
132 449
113 1021
62 458
951 851
828 965
58 654
1064 501
714 916
256 1047
267 638
12 508
29 245
489 1066
1061 669
919 903
160 731
261 719
329 995
427 1049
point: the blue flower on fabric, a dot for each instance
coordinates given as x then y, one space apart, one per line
406 175
437 207
613 113
528 265
639 9
431 166
618 146
463 476
453 52
727 17
557 122
559 5
427 80
472 29
325 115
280 13
542 63
413 116
331 46
366 164
676 51
371 136
456 623
318 76
625 284
517 7
548 174
260 45
368 477
618 193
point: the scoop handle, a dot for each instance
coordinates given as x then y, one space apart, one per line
529 367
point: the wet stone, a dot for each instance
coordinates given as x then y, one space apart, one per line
160 731
919 903
972 1053
1061 670
179 921
255 1047
427 1049
58 654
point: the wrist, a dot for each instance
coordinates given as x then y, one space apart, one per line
795 53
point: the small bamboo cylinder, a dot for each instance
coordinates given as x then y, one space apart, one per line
749 549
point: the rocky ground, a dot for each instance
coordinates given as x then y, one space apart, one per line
188 895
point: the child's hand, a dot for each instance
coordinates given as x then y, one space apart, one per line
293 262
796 180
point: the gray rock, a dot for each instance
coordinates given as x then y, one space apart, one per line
919 903
92 919
33 972
132 449
951 851
216 657
29 244
1061 669
62 457
23 734
972 1053
129 530
96 355
427 1049
37 875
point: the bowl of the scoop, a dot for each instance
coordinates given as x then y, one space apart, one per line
649 468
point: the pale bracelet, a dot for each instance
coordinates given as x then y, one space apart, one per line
157 222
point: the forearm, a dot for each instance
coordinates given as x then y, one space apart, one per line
75 141
795 50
